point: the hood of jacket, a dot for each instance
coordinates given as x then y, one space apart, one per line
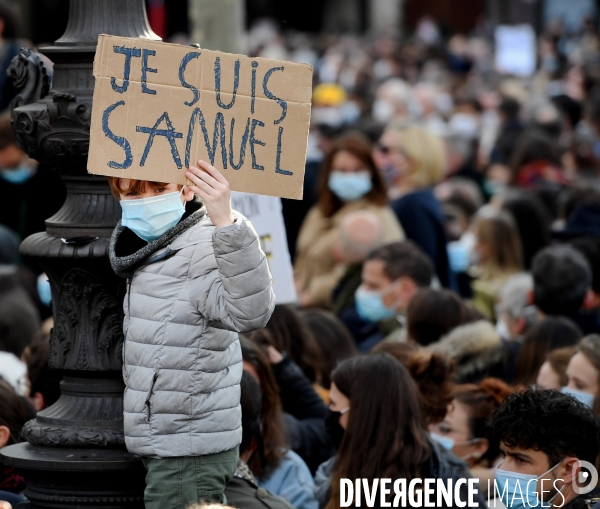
473 347
127 251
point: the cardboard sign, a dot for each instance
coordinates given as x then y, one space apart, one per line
265 214
160 107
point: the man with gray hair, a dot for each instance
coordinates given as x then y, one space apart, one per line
515 312
516 315
360 233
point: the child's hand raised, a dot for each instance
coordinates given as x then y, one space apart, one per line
213 189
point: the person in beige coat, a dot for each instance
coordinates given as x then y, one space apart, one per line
349 182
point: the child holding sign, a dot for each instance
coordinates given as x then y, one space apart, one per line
196 276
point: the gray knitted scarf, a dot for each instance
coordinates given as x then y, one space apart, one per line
124 265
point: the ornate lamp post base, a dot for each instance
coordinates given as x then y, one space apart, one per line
76 478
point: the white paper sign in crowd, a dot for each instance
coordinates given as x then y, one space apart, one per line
515 50
265 214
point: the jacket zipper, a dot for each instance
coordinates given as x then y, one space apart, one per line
128 292
150 394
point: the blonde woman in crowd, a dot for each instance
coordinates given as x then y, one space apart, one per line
413 161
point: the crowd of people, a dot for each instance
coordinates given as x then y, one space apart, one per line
447 265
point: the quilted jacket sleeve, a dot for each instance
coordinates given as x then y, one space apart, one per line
238 296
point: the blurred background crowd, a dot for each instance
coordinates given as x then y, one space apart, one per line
451 220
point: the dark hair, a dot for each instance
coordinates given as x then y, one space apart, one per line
432 313
550 421
12 413
44 380
291 335
510 107
551 333
480 401
532 220
532 146
251 403
333 338
561 280
590 248
19 317
580 197
359 146
432 372
570 107
404 259
559 362
385 436
271 414
10 18
134 186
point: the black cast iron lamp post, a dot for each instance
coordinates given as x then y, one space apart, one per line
75 454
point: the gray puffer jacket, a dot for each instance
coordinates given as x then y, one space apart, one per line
189 294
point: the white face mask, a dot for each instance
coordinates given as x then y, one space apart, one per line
383 111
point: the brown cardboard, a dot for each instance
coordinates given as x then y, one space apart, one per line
126 119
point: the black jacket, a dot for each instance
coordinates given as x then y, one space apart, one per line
304 414
591 499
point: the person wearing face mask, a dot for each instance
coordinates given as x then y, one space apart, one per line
376 415
391 275
583 373
394 101
349 182
196 277
543 435
29 192
414 160
463 430
553 373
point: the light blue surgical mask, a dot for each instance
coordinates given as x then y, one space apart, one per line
584 397
458 256
446 442
44 291
370 306
521 489
18 175
350 187
149 218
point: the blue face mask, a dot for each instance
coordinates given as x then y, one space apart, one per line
370 306
43 288
350 186
149 218
19 175
521 489
584 397
458 257
446 442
